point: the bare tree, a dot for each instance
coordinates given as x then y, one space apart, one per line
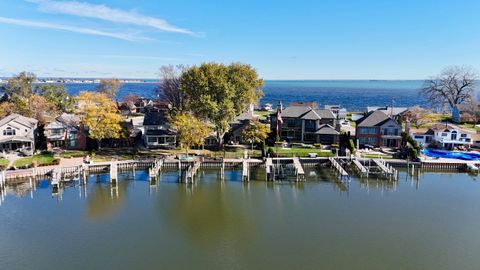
109 87
455 85
169 87
417 116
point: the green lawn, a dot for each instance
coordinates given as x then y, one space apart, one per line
377 156
70 154
301 152
3 163
41 160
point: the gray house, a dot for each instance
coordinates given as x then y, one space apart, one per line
308 125
17 133
157 132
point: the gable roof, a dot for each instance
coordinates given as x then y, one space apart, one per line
295 111
307 113
325 113
441 128
374 118
155 118
327 130
388 110
26 121
310 115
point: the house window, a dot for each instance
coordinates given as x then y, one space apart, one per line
444 134
152 139
463 135
56 132
418 137
310 125
9 131
72 139
368 130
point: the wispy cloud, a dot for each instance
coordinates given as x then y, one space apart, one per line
103 12
68 28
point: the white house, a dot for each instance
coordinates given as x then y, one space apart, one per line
443 136
17 132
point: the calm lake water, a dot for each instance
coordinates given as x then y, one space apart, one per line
353 95
430 223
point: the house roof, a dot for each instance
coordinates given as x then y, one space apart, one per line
308 113
295 111
441 128
327 130
65 120
374 118
388 110
155 118
160 132
26 121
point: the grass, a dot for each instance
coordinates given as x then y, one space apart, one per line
301 152
71 154
377 156
40 159
3 163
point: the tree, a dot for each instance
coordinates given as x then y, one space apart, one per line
255 132
453 86
169 87
218 93
57 95
21 85
109 87
100 114
472 110
191 130
6 108
416 115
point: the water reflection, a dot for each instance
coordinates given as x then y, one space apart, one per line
206 212
105 199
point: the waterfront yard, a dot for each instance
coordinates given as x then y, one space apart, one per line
43 159
3 163
300 152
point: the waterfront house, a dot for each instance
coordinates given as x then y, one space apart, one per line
378 129
66 132
17 132
157 131
235 133
443 136
307 124
395 113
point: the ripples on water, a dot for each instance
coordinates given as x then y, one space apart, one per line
354 95
428 222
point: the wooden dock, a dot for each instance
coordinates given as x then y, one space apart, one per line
155 169
191 172
299 172
245 171
269 170
338 168
387 170
362 170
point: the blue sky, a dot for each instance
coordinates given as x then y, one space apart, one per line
330 39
